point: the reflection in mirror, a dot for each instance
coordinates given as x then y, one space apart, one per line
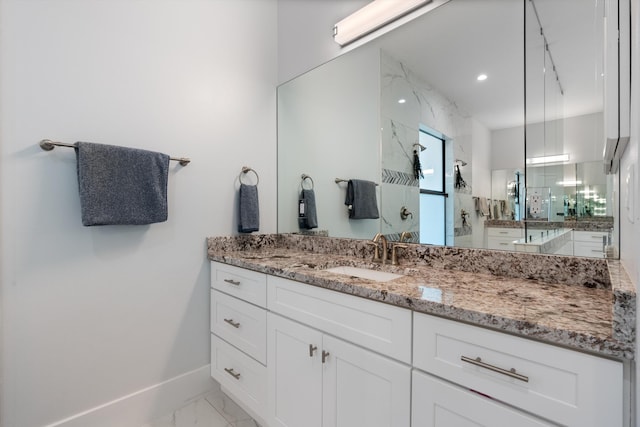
447 150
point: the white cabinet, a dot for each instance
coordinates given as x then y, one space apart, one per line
318 380
295 355
438 403
239 336
294 374
589 243
383 328
503 238
557 384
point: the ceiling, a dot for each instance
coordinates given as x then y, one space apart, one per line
451 45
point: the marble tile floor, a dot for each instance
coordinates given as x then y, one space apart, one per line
215 409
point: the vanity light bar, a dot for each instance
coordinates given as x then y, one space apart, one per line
569 183
374 15
558 158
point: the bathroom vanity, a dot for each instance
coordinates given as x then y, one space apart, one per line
578 238
307 331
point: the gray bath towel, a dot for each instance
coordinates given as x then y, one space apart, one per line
249 214
310 218
361 199
120 185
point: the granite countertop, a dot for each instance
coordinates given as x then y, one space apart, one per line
594 318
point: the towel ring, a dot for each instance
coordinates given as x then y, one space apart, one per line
304 177
245 170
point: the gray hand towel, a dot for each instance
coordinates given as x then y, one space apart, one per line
249 214
310 220
361 199
120 185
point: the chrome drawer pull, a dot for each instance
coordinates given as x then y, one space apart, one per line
232 323
233 282
312 348
511 372
232 373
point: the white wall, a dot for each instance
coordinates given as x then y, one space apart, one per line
93 314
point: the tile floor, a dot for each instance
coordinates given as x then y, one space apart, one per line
214 409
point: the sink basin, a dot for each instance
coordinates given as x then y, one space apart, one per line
365 273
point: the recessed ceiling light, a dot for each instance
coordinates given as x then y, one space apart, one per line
482 77
401 101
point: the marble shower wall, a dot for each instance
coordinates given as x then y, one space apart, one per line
423 107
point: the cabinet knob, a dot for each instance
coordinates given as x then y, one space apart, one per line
325 356
312 348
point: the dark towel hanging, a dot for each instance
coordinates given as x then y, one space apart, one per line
417 167
121 185
248 209
459 183
310 218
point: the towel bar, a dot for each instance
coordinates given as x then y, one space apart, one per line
247 169
48 145
339 180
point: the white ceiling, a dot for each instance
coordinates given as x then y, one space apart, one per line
454 43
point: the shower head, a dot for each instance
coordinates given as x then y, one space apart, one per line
461 162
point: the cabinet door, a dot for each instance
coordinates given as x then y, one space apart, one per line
362 388
294 373
437 403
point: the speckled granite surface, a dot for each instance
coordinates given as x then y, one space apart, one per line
580 303
591 224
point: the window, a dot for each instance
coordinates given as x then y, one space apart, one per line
432 194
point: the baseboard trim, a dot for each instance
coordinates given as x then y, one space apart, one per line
143 406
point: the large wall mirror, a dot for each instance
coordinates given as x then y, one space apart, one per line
478 116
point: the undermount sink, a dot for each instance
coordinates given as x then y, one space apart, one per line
364 273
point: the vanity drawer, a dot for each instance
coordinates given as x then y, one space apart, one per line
379 327
503 244
588 249
516 233
241 324
247 285
590 236
438 403
241 375
558 384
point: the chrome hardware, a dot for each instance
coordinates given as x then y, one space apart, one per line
312 348
231 372
394 253
325 356
232 323
510 372
233 282
404 213
382 258
48 145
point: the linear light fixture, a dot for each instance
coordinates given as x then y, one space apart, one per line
374 15
569 183
558 158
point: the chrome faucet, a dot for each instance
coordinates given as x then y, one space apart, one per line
376 255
